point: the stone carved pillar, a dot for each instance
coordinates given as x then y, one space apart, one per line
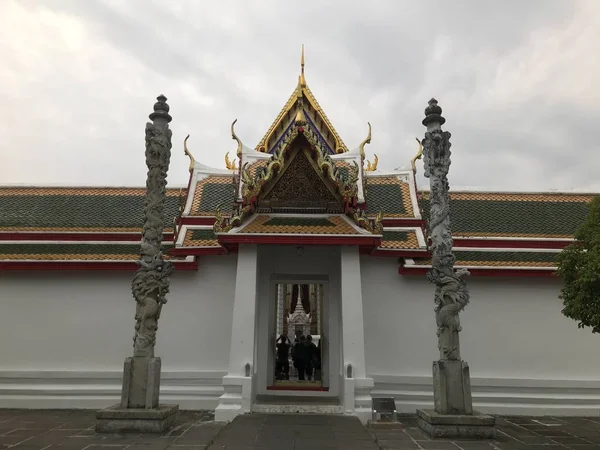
139 409
451 377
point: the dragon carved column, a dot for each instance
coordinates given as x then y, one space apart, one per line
151 281
451 293
139 409
451 379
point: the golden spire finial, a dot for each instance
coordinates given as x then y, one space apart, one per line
188 153
302 79
417 156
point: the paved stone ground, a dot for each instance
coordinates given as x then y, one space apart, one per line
74 430
294 432
514 433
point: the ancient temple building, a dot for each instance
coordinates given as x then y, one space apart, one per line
302 235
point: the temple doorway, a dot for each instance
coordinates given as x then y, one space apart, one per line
299 349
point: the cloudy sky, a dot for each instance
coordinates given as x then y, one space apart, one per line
518 82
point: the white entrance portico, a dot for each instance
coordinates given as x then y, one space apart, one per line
336 269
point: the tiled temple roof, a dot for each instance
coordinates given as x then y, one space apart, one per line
500 259
335 224
72 251
79 209
201 237
405 240
389 195
212 192
531 215
97 211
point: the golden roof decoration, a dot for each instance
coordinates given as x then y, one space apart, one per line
347 185
236 138
302 79
306 94
372 166
188 153
419 155
365 142
230 164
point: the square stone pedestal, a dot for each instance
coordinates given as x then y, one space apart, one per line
456 426
118 420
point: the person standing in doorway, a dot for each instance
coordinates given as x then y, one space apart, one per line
311 357
282 364
300 357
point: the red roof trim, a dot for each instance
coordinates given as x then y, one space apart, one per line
187 220
402 252
521 273
196 251
86 265
75 236
299 240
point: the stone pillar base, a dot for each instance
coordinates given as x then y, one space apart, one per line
118 420
141 382
452 387
474 425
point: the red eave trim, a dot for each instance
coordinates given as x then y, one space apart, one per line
86 265
191 251
75 237
509 243
403 270
399 222
403 253
197 221
299 240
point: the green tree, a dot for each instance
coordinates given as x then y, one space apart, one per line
579 267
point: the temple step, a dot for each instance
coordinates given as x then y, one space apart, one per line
297 404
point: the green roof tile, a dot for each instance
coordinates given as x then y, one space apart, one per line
513 217
85 211
532 257
215 194
386 198
400 236
203 235
72 249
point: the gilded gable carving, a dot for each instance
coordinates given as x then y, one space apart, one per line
300 186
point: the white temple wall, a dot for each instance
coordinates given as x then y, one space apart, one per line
525 356
64 336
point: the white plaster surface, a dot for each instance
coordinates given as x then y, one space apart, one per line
76 328
64 337
525 356
237 384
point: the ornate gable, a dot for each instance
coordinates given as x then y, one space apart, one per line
300 187
302 102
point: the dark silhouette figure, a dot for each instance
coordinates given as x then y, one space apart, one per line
312 357
282 364
300 356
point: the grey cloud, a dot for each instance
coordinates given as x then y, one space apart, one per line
373 63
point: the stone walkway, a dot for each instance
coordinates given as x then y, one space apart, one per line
74 430
514 433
